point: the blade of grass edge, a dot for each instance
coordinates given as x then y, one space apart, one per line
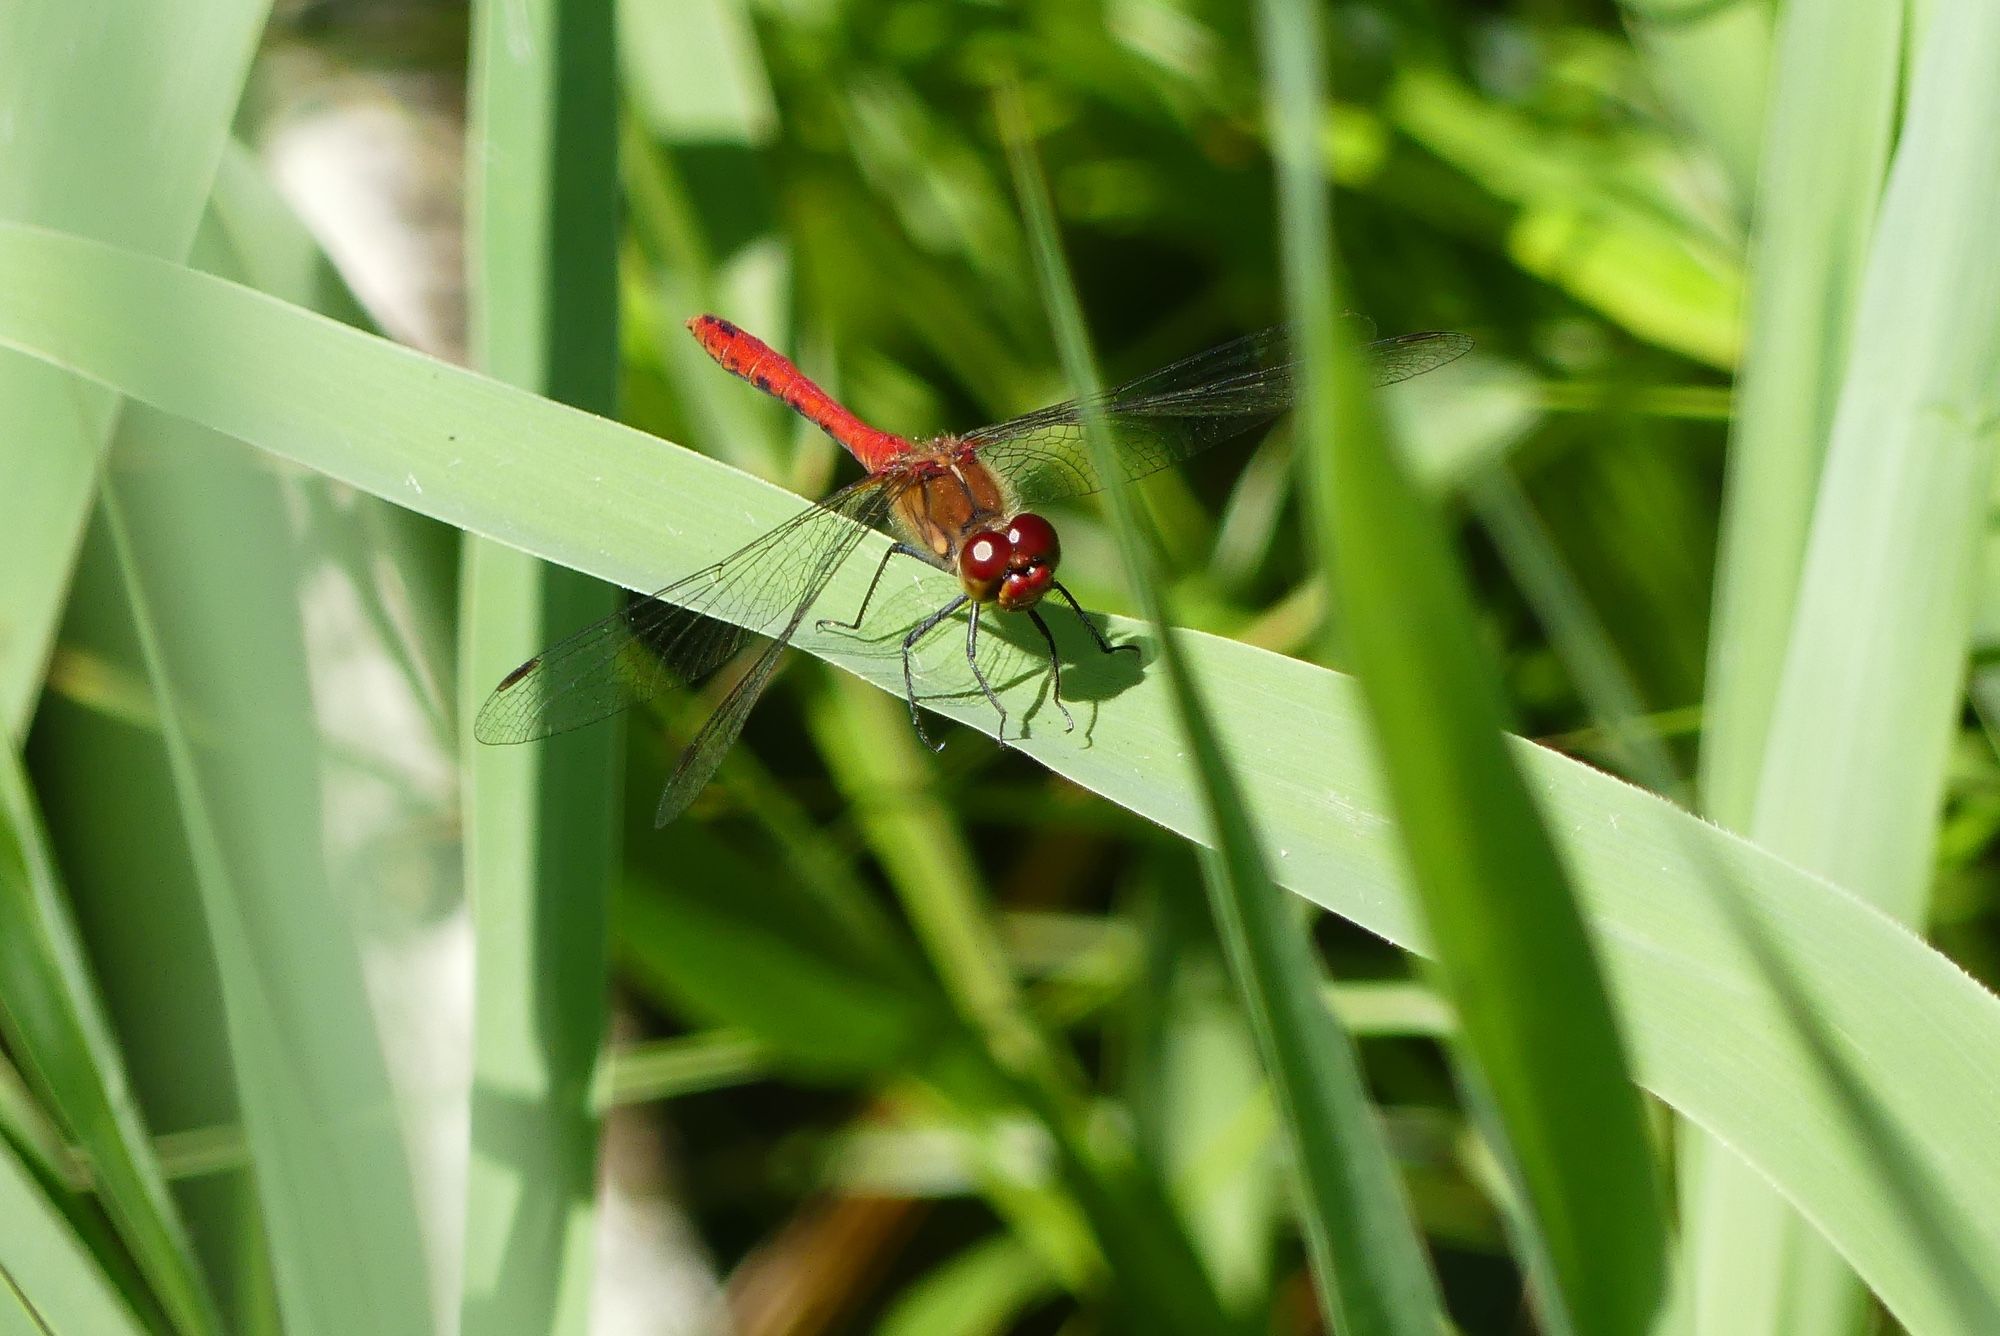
1863 709
331 1172
1593 663
48 1278
57 1031
1838 68
542 821
1834 109
1540 1052
1365 1251
114 129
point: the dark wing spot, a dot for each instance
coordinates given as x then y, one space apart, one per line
519 673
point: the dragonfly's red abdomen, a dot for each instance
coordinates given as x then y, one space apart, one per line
756 361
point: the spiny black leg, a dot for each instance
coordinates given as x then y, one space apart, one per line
895 549
1055 670
972 657
918 632
1089 625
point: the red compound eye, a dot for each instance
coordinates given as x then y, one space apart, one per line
1033 542
982 562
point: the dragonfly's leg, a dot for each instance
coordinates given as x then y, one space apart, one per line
895 549
1055 670
1089 625
918 632
972 657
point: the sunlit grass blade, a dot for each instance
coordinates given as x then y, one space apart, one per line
222 626
57 1032
541 820
1539 1052
1837 76
1864 709
49 1282
1900 1176
113 130
983 1289
684 1065
1706 1036
1368 1261
28 1127
1833 110
330 1163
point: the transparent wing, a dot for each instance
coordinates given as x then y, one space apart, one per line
686 631
718 733
1179 411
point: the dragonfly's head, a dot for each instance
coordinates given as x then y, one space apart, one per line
1013 568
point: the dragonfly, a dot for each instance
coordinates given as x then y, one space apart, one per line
966 503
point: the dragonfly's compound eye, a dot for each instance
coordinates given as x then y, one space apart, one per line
1032 553
1032 542
982 563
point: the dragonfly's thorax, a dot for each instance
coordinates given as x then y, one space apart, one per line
950 500
959 514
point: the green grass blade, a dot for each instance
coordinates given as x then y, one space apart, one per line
541 821
331 1232
1900 1176
684 1065
1367 1258
330 1166
1866 706
113 131
1539 1049
1707 1035
49 1282
57 1031
981 1291
1835 101
30 1129
1835 106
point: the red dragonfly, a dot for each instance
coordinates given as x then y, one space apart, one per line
959 502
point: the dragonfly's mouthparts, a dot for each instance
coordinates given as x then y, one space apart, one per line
1024 589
